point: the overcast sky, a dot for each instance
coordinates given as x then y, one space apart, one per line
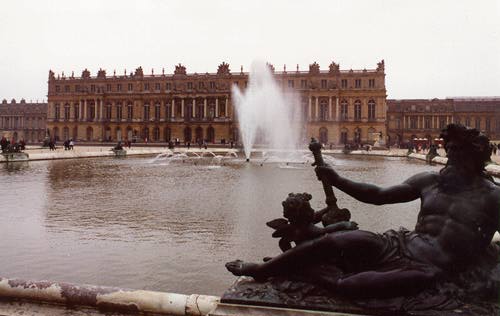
431 48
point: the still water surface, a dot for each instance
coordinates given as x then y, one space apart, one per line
144 224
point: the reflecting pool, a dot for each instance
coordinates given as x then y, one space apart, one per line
143 223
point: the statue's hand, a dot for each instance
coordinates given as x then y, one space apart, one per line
327 174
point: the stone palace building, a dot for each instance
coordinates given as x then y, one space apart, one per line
409 119
338 106
23 121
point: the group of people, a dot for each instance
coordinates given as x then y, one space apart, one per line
69 144
12 145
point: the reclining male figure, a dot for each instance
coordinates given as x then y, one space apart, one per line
459 214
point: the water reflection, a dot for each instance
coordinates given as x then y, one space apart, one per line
137 224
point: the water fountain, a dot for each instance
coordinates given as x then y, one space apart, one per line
266 114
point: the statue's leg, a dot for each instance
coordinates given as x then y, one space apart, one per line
350 246
398 282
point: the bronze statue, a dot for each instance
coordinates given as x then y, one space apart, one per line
460 212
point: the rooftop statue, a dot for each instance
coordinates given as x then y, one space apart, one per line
447 264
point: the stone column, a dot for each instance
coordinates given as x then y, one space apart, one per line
225 107
101 105
309 109
337 110
205 108
330 108
216 107
172 108
193 108
182 107
162 111
85 109
316 116
447 119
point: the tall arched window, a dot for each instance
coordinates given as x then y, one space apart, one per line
76 111
200 108
168 110
119 112
56 133
146 112
199 134
371 110
343 136
57 112
357 135
130 112
323 110
157 111
167 134
211 110
118 134
371 134
65 133
236 136
145 133
323 135
107 133
187 134
357 110
210 134
156 134
344 110
90 133
66 112
108 112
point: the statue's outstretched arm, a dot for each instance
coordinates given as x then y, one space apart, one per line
370 193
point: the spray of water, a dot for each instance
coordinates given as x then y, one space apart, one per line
267 115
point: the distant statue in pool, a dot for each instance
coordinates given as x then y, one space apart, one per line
459 214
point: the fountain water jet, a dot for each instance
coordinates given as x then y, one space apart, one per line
266 114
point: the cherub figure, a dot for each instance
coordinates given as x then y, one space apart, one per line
299 222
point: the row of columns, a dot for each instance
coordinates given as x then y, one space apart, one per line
316 107
84 108
12 122
421 121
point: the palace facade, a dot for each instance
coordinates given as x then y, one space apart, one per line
420 118
23 121
338 106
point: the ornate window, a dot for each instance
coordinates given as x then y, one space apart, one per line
323 135
199 134
357 135
343 136
413 122
57 112
344 110
108 111
357 110
146 112
119 112
427 122
130 112
323 110
167 134
187 134
210 134
371 110
66 112
157 112
156 134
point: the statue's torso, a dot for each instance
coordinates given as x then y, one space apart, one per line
454 226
